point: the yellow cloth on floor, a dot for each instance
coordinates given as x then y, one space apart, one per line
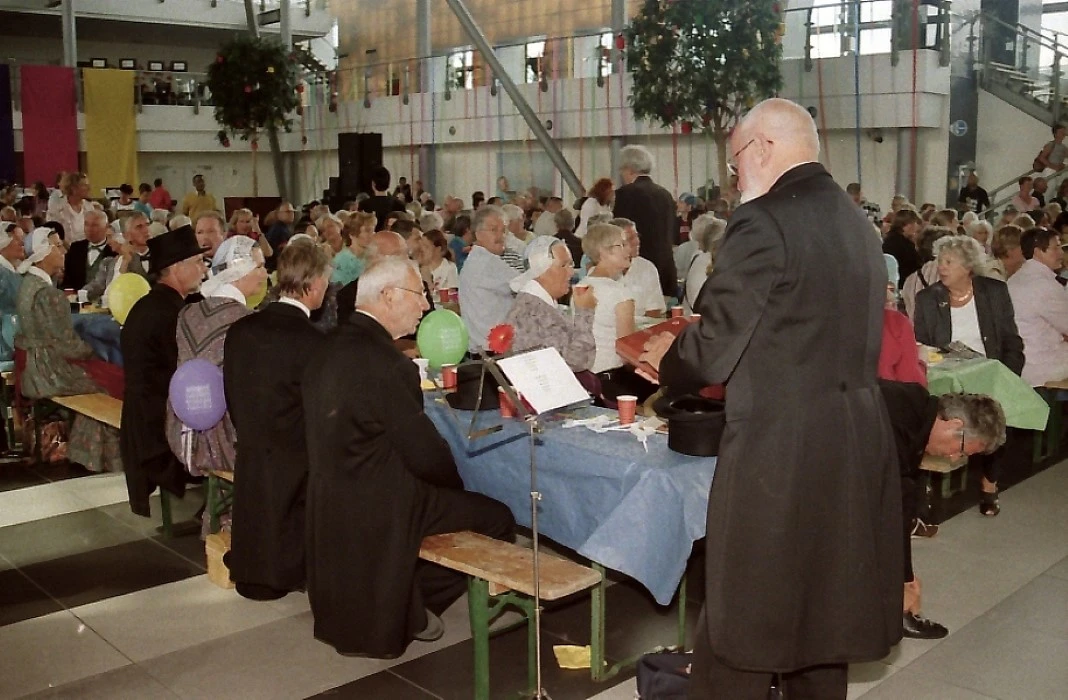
569 656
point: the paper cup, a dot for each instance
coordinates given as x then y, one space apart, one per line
676 312
507 407
444 295
627 406
424 367
448 376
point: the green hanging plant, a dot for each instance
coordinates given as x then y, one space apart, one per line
254 84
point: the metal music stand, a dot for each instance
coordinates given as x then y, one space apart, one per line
523 412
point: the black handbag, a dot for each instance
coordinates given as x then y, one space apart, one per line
664 675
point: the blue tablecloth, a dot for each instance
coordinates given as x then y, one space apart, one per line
603 495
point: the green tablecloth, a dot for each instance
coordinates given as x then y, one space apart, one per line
1023 407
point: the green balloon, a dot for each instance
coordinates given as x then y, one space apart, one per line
442 338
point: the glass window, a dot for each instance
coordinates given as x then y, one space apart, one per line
534 56
460 74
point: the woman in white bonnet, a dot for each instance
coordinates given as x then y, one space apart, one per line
237 273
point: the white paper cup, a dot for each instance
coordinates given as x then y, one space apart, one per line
83 296
424 367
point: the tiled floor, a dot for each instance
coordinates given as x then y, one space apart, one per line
95 604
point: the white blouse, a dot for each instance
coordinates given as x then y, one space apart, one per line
965 324
610 293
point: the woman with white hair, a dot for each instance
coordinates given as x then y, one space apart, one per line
981 231
708 232
237 274
537 318
965 307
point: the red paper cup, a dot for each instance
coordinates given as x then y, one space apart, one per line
627 406
507 407
676 312
443 296
454 295
448 376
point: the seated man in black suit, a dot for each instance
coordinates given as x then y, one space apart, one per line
951 426
263 379
85 257
380 479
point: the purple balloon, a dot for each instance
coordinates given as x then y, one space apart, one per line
196 394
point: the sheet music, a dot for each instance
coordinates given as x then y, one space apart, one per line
544 379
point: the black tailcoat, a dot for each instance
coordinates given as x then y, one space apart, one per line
150 356
380 479
76 269
265 358
804 516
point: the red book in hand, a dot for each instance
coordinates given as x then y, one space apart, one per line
630 347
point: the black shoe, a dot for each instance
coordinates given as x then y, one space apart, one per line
988 503
256 591
434 629
918 627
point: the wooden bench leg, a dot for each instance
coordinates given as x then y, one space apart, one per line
165 510
479 611
213 503
597 605
682 613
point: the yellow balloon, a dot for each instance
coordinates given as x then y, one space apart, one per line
125 291
257 297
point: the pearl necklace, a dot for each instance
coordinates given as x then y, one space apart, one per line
963 298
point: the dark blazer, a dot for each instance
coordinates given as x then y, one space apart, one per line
652 209
904 251
77 272
997 320
150 356
265 356
804 515
374 456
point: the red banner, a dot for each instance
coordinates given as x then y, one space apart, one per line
49 122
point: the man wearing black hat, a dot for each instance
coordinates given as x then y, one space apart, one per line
150 353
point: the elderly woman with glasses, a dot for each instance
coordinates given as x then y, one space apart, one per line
965 307
538 320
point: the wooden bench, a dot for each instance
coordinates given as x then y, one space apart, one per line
108 410
501 574
220 496
1046 443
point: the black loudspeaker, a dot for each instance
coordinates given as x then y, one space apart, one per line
358 155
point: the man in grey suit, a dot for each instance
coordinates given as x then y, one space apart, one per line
132 258
804 553
652 209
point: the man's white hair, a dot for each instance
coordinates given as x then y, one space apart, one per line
431 221
787 121
132 220
512 212
484 214
96 214
637 159
179 221
159 216
390 271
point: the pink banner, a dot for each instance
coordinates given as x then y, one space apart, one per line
49 122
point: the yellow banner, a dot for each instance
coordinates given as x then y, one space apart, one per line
110 128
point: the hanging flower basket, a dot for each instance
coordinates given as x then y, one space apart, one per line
254 85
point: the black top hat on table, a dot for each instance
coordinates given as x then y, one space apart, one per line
466 395
173 247
695 423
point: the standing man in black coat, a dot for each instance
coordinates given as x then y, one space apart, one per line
380 479
652 209
804 515
265 358
150 356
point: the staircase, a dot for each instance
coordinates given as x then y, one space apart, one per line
1025 68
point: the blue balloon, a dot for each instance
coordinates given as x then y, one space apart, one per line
196 394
